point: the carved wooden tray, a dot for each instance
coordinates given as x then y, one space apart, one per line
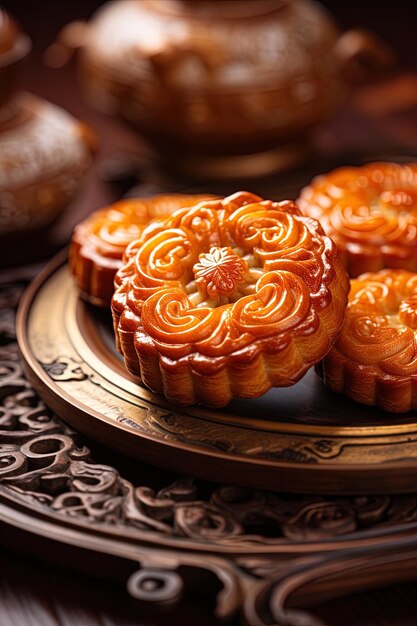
260 554
301 439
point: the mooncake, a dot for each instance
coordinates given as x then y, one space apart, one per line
228 298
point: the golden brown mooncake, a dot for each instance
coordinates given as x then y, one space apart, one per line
228 299
370 212
98 242
374 361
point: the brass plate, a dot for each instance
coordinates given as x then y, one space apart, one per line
301 439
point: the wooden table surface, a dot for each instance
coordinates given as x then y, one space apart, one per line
33 593
379 116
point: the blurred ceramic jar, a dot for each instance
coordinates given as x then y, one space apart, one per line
207 80
45 153
14 47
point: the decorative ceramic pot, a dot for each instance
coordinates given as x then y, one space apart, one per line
45 154
14 47
205 81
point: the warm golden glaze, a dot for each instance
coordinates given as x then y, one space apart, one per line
227 299
375 358
370 212
98 242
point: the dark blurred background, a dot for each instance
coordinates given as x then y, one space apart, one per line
379 115
395 22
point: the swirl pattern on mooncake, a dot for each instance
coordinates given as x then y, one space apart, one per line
228 299
98 242
370 212
374 360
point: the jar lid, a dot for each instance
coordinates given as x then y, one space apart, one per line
218 8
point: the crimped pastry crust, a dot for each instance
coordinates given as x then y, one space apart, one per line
370 212
99 241
374 360
228 299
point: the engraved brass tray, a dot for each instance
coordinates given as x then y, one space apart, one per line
300 439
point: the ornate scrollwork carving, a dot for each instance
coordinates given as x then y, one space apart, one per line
64 369
152 585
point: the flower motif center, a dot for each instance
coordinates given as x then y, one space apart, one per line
219 271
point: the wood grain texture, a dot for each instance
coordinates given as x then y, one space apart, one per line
383 607
33 593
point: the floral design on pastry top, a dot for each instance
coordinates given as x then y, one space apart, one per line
219 272
374 360
99 241
227 299
370 212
